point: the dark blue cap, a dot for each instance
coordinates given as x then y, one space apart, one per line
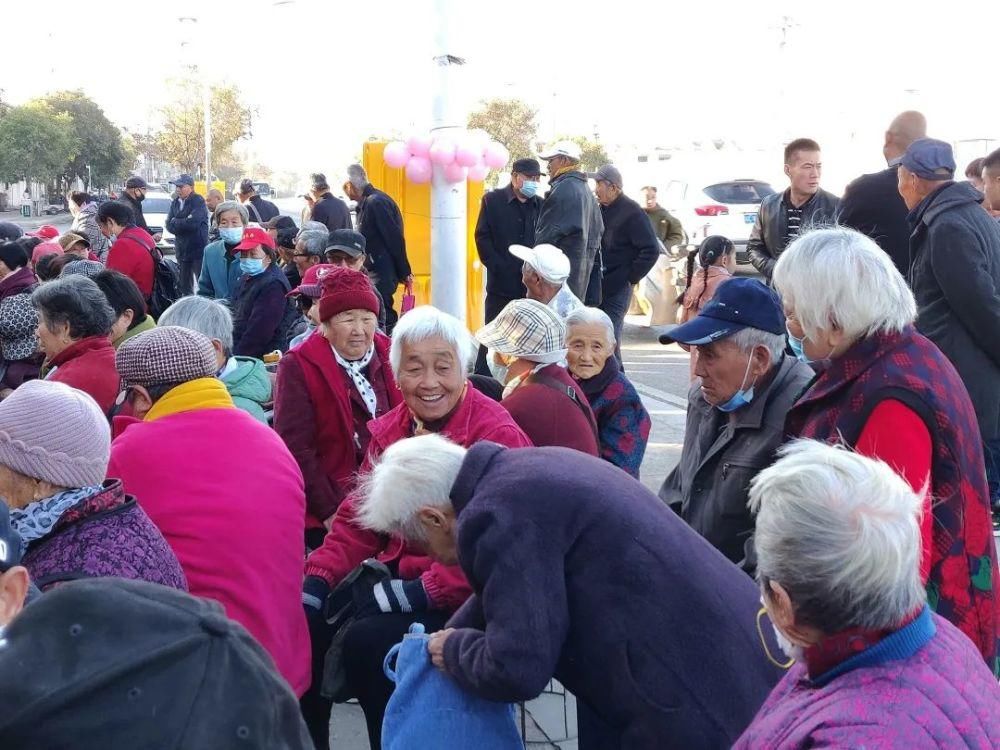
10 541
930 159
738 303
184 179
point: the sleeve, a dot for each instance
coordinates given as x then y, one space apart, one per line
205 286
509 436
648 250
199 214
484 238
670 490
295 423
347 544
389 222
624 434
760 255
174 223
556 219
265 317
895 434
852 211
446 586
469 615
675 233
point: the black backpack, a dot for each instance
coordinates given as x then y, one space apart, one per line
165 282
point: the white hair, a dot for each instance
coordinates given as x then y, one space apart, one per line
750 338
839 278
236 206
206 316
591 316
314 241
841 533
427 322
412 474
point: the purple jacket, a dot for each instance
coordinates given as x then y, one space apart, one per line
925 686
105 536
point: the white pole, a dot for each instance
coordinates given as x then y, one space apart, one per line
206 103
448 201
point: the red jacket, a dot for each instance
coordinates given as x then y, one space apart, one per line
320 415
88 365
348 544
550 418
130 253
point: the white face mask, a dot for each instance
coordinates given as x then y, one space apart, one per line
791 650
499 372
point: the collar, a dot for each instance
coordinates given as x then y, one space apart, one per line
595 386
91 343
895 162
228 369
17 282
786 199
369 189
475 465
194 395
752 416
921 210
511 195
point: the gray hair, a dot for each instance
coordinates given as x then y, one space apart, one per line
427 322
591 316
313 225
839 278
357 176
231 206
414 473
314 241
208 317
750 338
77 301
841 534
214 191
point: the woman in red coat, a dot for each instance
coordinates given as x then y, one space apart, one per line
132 251
431 352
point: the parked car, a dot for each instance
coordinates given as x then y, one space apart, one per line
51 209
155 208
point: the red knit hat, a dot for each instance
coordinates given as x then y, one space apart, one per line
344 289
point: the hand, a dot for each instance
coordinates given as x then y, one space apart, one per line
408 281
158 236
435 647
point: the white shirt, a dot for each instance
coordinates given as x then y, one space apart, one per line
565 302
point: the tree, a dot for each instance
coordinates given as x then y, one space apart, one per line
182 139
100 144
510 122
36 143
592 153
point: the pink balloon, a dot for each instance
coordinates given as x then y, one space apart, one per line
495 155
419 169
419 145
468 154
396 154
455 173
478 172
442 152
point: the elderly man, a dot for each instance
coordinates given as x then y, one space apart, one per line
628 247
783 216
571 220
611 594
187 219
381 222
544 273
955 276
212 200
328 209
991 184
667 228
736 411
134 194
310 244
260 210
872 204
347 248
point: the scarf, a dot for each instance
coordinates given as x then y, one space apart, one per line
37 519
194 395
20 280
595 386
356 370
563 170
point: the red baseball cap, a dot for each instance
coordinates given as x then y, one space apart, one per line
252 237
311 284
45 232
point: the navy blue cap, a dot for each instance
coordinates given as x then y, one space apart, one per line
930 159
184 179
737 304
10 541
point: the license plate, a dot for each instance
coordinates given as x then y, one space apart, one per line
749 218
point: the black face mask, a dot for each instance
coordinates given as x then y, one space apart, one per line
141 197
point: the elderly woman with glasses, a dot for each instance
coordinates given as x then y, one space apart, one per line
887 392
838 560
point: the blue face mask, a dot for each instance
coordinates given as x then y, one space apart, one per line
231 235
796 345
742 397
529 188
252 266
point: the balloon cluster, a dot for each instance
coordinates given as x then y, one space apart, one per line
470 156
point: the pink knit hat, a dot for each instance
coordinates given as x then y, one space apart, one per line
345 289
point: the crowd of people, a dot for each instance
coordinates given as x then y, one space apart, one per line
818 569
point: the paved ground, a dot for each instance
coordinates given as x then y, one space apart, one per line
60 221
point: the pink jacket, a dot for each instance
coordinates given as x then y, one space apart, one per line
229 498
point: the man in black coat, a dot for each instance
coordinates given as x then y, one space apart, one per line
188 220
327 208
133 195
381 222
506 217
872 203
260 210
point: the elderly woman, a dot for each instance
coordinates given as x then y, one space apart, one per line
246 378
526 352
430 355
74 325
220 269
579 573
623 423
128 303
18 319
838 550
132 249
262 316
83 209
54 453
889 393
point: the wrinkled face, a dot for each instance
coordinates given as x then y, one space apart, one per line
650 197
804 171
337 258
814 350
184 190
722 367
212 201
230 220
303 259
588 349
431 378
606 193
351 332
906 183
52 342
991 188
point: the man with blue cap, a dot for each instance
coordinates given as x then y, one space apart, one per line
188 220
744 387
955 277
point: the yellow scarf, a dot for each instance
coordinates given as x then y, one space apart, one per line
203 393
563 170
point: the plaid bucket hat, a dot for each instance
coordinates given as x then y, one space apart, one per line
526 329
164 356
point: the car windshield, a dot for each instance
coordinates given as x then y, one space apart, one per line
741 191
155 205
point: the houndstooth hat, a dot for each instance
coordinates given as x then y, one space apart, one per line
166 355
526 329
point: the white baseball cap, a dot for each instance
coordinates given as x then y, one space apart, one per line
562 148
548 260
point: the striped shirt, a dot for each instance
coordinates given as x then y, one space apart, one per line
793 220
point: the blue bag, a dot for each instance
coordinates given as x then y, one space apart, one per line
428 709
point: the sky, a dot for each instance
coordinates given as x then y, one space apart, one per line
324 75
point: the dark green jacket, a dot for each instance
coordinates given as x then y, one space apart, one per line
666 227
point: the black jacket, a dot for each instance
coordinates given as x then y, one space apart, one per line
571 220
872 205
189 225
262 315
505 221
136 206
629 247
261 210
767 239
332 212
380 221
955 276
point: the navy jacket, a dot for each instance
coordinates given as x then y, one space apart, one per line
262 315
872 205
571 220
505 221
189 225
380 221
580 572
332 212
629 248
260 210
